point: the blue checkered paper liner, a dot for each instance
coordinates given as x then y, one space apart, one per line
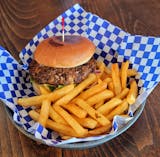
113 45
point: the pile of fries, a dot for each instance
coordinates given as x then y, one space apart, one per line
86 109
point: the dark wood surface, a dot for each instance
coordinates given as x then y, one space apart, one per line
21 20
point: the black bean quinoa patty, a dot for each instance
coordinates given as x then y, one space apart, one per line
60 76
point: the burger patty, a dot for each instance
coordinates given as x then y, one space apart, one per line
60 76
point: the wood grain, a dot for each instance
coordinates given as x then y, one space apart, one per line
21 20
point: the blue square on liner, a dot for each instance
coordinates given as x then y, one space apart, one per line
31 42
107 34
152 69
71 17
95 56
15 86
129 46
118 40
94 19
27 125
8 79
137 60
145 83
103 54
80 31
144 76
101 45
98 36
149 62
142 47
5 87
4 67
110 43
146 54
141 68
154 48
137 39
116 31
72 9
155 76
40 129
1 73
47 28
96 27
36 43
71 24
13 93
9 60
80 18
2 95
80 11
72 31
105 24
80 24
150 41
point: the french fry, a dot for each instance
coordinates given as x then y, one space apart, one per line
99 104
76 110
110 86
124 69
37 100
44 112
56 117
92 112
100 130
131 72
93 90
106 94
107 70
86 122
58 127
71 121
108 106
63 137
132 95
43 90
123 94
79 88
120 109
101 67
116 78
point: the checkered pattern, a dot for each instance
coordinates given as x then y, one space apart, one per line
144 54
113 45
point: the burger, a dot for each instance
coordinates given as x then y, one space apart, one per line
56 63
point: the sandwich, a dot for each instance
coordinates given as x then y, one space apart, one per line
56 63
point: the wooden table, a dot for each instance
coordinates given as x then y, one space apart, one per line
21 20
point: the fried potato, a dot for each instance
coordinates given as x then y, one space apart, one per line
92 112
123 94
79 88
124 69
100 130
44 112
120 109
71 121
116 78
108 106
76 110
132 95
106 94
131 72
58 127
37 100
